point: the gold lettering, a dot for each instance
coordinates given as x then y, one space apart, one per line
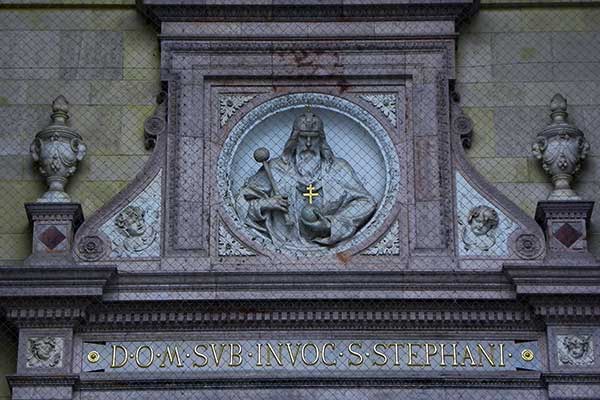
501 363
303 354
201 355
467 355
171 357
114 364
150 356
380 354
488 357
396 347
235 355
217 355
443 355
294 355
359 356
411 355
259 355
271 351
430 350
324 350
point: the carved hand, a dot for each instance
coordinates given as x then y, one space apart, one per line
319 225
275 203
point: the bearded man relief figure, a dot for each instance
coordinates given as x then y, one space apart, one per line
306 198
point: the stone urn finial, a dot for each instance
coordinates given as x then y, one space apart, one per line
561 147
57 149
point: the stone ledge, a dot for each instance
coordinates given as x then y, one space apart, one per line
28 3
555 279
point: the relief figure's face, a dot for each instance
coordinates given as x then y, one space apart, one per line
42 349
132 221
577 347
308 144
479 224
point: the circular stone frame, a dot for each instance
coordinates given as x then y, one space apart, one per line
315 100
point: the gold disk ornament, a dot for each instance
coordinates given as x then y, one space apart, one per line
93 357
527 355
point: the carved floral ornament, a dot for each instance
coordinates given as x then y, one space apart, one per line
562 148
57 149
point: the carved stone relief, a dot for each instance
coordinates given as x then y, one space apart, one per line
230 103
157 123
228 246
45 352
386 103
347 131
575 350
134 231
389 245
484 229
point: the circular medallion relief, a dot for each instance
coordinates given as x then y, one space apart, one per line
308 173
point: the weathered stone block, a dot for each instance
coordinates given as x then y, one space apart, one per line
474 74
13 219
576 46
131 139
525 195
521 47
123 92
15 246
94 195
535 72
72 19
113 168
428 216
484 135
474 50
44 92
140 50
91 55
29 49
502 169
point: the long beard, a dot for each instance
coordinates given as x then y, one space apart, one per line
308 162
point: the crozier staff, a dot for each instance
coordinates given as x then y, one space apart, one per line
307 197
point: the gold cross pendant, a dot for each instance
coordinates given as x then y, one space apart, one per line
310 194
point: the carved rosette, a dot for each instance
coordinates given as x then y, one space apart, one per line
528 246
91 248
561 147
57 150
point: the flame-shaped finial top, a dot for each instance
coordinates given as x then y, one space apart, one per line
60 110
558 107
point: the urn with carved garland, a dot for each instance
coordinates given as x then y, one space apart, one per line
57 149
561 147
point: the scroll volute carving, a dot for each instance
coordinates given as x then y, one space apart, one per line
561 147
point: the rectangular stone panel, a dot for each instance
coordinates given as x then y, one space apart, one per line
427 171
424 106
430 225
91 55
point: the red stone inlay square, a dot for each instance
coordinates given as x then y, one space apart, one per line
567 234
52 237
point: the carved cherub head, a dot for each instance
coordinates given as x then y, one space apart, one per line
43 352
482 219
577 346
131 221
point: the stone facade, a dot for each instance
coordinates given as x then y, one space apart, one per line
162 257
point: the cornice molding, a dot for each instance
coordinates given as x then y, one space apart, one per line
543 280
